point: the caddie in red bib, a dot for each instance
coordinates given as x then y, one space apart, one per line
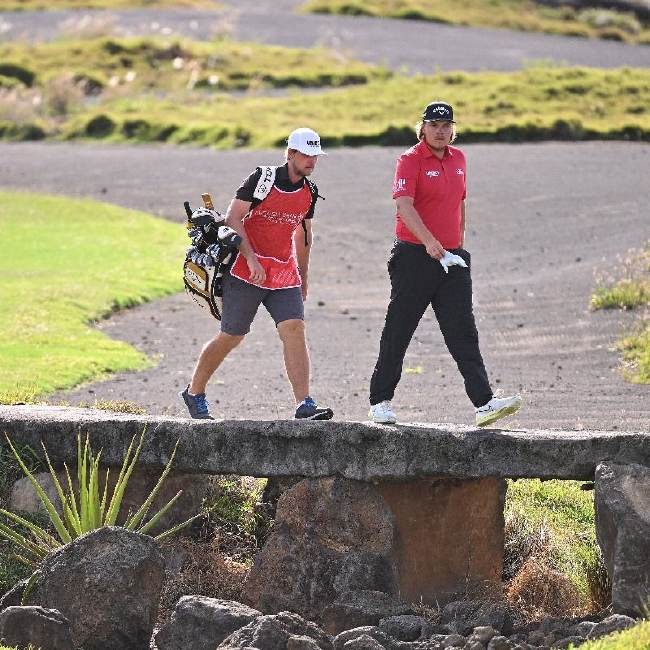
270 227
271 212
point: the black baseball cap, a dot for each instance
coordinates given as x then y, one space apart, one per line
438 111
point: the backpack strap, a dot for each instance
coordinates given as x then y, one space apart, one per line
265 183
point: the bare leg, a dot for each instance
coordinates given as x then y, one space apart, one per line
211 357
296 356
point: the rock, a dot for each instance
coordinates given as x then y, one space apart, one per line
339 530
613 623
25 498
302 643
42 628
361 608
403 628
202 623
453 640
499 643
273 632
462 616
583 628
363 642
482 635
622 494
14 597
382 639
333 536
107 583
569 642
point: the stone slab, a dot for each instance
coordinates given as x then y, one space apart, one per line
356 450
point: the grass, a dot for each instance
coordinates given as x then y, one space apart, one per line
144 90
519 15
554 522
630 290
64 264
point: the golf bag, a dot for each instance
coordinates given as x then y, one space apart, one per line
212 250
214 246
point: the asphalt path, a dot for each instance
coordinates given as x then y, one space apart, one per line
411 47
546 222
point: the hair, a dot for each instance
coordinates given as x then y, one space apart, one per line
420 133
286 153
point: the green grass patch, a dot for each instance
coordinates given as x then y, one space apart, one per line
635 348
553 520
519 15
148 91
64 264
630 291
143 65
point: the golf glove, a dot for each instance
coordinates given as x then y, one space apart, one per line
450 260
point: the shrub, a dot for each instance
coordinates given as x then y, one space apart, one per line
63 95
100 126
16 71
540 591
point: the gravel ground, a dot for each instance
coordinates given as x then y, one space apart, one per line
545 222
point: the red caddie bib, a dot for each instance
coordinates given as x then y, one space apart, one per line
270 227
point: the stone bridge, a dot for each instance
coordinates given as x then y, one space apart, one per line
415 509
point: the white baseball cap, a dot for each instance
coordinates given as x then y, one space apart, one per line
306 141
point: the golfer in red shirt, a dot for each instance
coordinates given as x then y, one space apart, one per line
429 266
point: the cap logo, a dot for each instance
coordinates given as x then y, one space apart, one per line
313 143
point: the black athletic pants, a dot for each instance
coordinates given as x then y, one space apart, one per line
417 281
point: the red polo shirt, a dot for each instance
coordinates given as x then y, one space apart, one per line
437 188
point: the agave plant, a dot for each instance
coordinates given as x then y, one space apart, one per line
89 510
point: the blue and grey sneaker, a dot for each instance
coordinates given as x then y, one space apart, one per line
309 410
197 405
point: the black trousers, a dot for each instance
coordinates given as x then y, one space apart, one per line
417 281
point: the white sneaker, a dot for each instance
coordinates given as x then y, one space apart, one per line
497 408
382 413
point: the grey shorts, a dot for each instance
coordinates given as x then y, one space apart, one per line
241 301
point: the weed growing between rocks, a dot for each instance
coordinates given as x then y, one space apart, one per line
215 556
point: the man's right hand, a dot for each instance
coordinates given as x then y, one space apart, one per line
435 249
257 272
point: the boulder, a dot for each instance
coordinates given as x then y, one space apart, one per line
37 627
330 536
405 627
24 497
107 583
336 536
354 609
622 494
361 635
273 632
202 623
611 624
